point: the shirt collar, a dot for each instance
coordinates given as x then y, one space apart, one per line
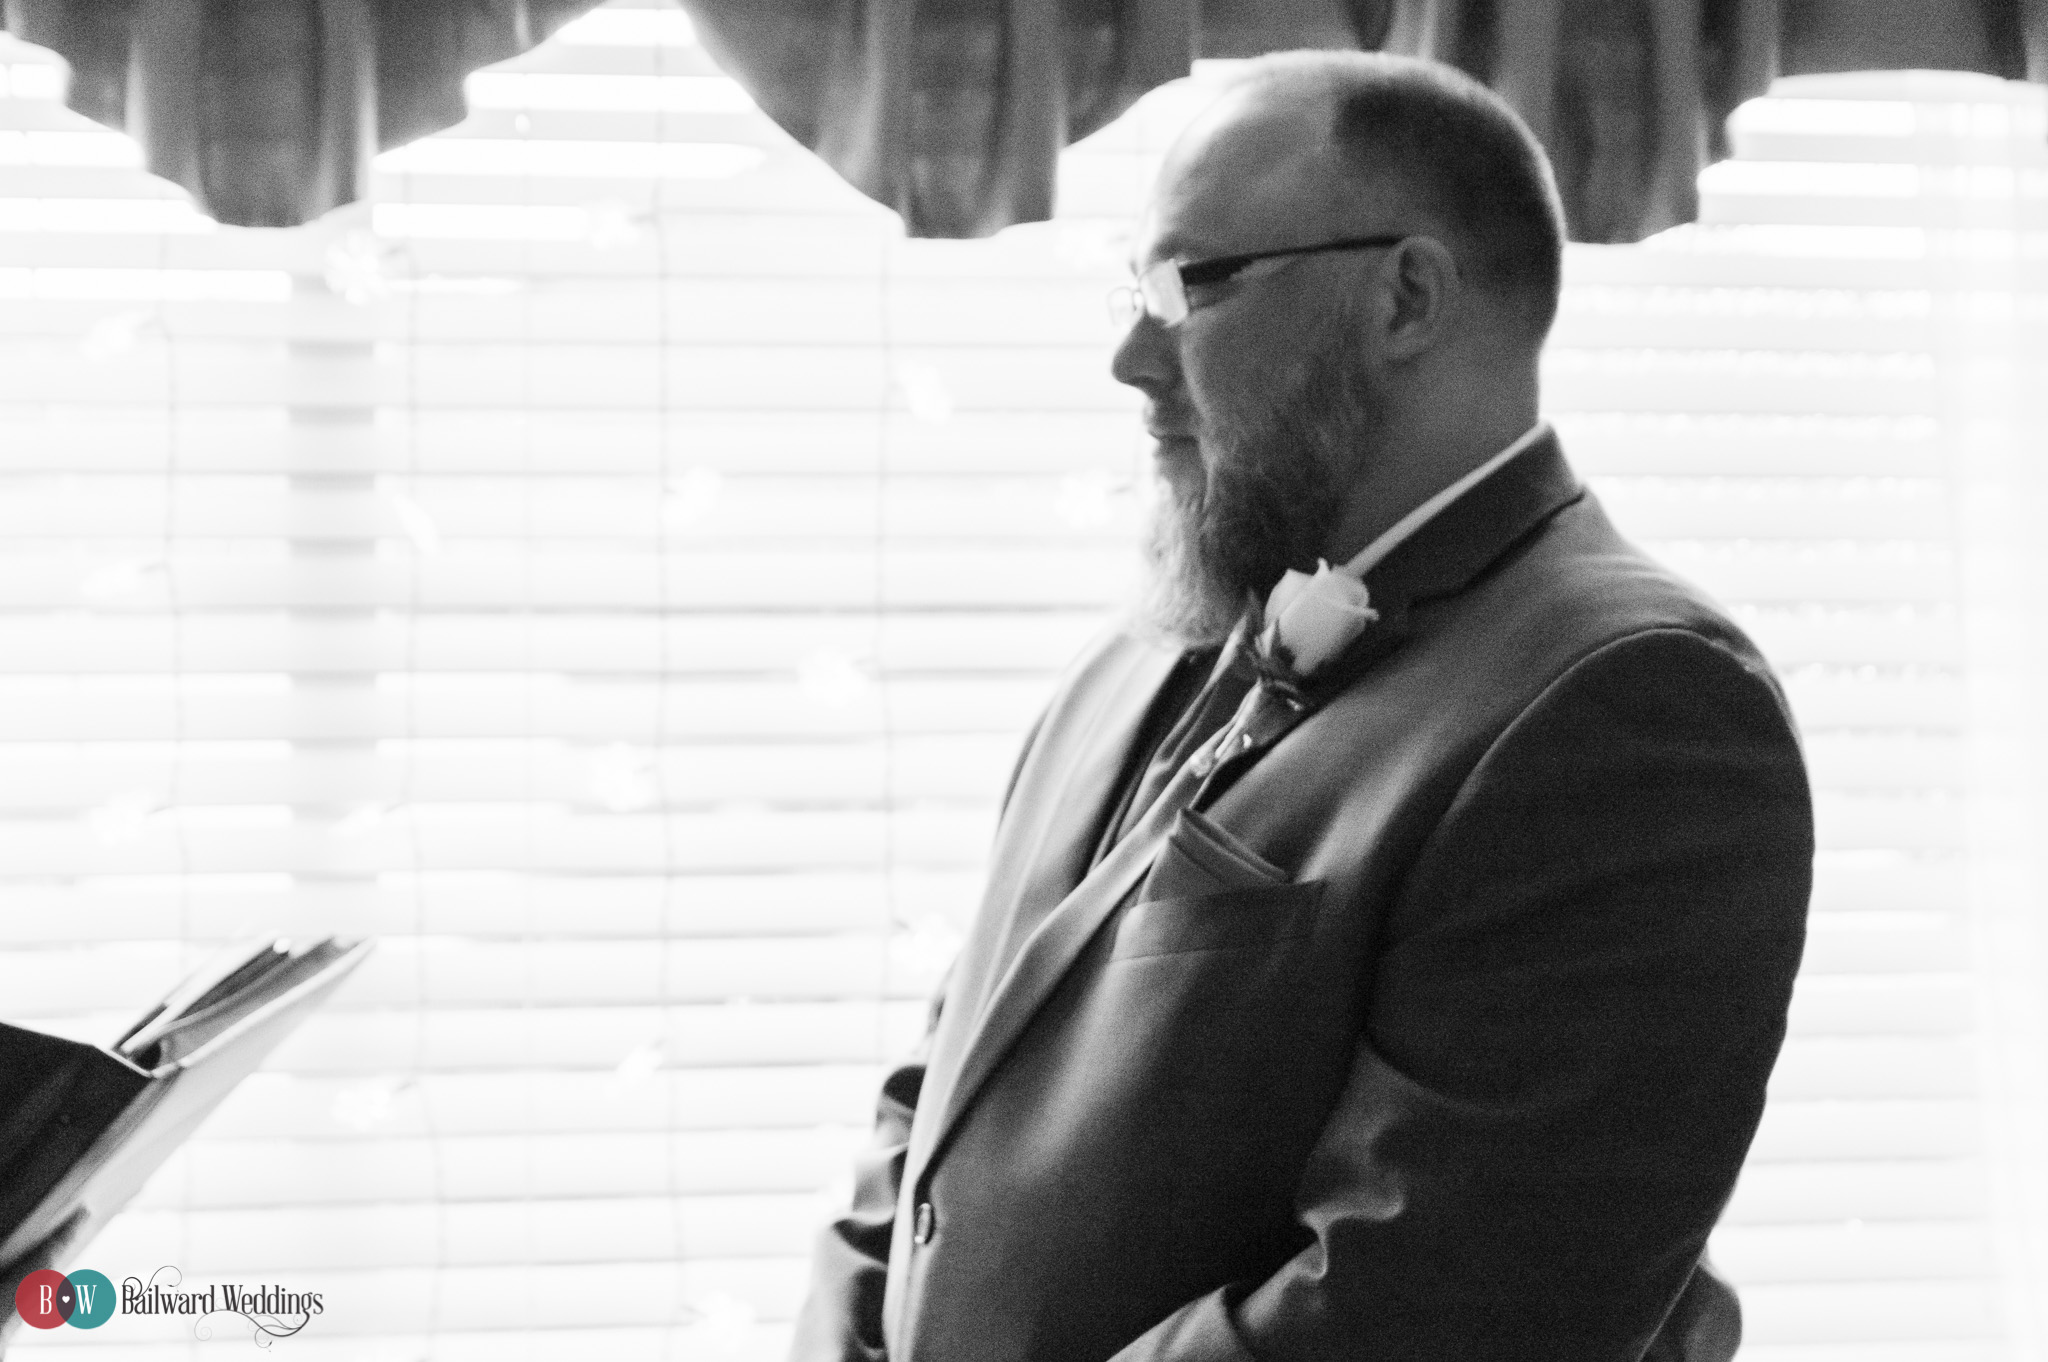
1368 557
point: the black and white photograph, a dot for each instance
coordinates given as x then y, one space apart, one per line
1024 680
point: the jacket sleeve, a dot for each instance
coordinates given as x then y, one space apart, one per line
1568 1029
841 1320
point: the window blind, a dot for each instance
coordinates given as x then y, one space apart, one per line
1848 346
615 568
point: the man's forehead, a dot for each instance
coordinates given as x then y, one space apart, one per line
1250 171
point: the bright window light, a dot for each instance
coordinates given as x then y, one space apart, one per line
249 286
102 215
572 160
1870 180
1796 240
629 28
1989 120
68 149
1842 179
1795 303
1861 118
1827 117
31 80
489 222
607 93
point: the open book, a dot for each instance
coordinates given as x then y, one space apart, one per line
82 1128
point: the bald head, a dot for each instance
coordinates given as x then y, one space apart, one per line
1254 166
1354 141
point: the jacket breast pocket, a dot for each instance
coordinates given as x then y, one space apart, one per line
1237 919
1200 857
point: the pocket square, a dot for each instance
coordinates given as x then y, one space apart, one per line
1201 858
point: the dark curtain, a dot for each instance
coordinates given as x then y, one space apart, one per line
953 112
268 111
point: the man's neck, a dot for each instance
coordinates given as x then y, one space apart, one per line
1411 465
1367 558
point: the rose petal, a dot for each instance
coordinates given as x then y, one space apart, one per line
1323 619
1315 631
1284 591
1337 584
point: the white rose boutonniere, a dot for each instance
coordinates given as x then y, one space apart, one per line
1311 619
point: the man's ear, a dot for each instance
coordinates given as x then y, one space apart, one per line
1421 291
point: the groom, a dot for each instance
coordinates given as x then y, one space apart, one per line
1388 937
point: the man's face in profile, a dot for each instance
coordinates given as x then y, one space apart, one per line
1259 399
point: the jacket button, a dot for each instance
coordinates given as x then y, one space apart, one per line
926 1222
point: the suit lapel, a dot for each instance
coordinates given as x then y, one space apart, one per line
1442 557
1096 759
1036 864
1051 949
1068 785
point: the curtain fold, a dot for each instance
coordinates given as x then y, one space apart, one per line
268 111
953 112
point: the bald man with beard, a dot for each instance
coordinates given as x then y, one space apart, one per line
1390 928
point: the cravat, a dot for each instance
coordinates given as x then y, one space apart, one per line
1211 708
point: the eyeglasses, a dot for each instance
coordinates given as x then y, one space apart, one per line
1162 290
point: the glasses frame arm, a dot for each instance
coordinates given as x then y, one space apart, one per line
1216 270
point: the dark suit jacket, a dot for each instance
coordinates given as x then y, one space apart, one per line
1441 1033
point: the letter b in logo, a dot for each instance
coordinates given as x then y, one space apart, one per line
48 1298
43 1300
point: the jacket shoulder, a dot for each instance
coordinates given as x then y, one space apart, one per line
1579 586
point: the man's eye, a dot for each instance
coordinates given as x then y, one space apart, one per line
1211 289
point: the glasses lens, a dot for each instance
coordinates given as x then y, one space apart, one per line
1160 287
1125 306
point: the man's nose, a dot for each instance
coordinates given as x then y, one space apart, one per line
1147 358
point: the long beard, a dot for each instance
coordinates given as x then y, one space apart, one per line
1268 500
